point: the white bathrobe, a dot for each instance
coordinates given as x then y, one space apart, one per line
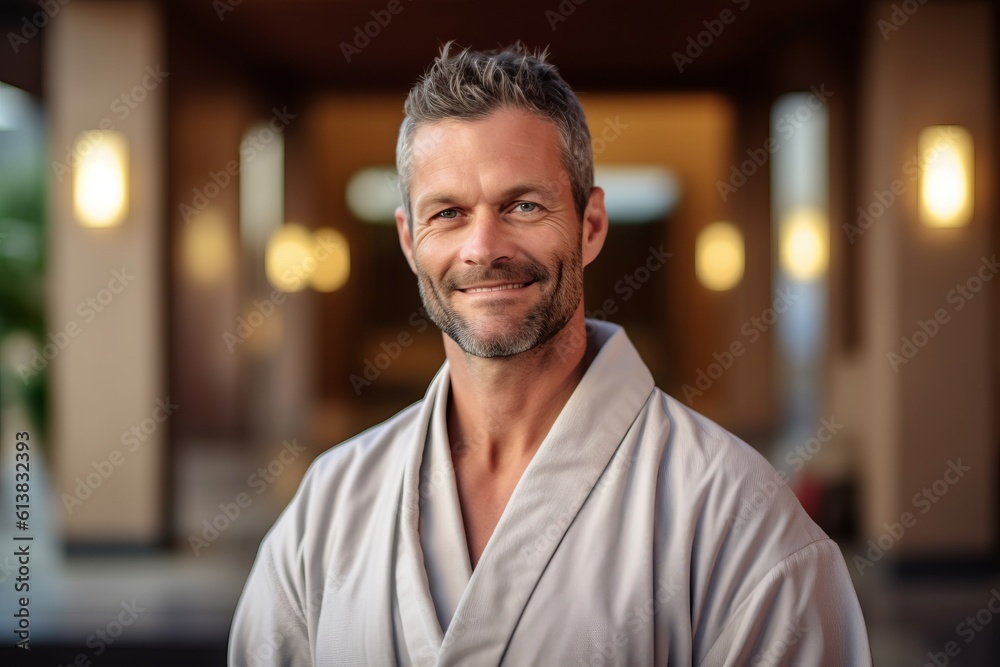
640 533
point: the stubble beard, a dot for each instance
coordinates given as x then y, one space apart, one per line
546 319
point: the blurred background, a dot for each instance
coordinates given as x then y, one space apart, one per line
201 287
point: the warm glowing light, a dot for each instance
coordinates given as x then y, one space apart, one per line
804 244
333 260
946 180
288 259
719 256
100 180
206 249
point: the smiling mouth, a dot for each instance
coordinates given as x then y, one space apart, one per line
496 288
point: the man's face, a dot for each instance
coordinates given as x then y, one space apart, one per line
497 246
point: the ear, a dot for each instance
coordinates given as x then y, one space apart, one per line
595 226
405 239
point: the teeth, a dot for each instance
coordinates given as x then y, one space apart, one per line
494 289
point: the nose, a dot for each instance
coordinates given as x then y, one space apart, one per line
488 240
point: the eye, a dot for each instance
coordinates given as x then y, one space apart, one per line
526 207
447 214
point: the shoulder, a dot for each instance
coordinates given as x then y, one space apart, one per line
346 492
758 566
696 449
350 471
732 506
342 486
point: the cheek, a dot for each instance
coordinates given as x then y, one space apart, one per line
568 245
565 233
430 258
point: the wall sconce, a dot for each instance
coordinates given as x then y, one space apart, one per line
333 260
207 253
296 258
946 191
100 180
719 256
288 259
804 243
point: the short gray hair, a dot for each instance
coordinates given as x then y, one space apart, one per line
471 85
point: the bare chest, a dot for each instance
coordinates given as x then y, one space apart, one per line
483 496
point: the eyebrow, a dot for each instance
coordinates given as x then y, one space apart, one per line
518 190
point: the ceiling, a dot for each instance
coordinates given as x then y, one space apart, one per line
595 43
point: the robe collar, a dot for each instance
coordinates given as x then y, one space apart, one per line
555 485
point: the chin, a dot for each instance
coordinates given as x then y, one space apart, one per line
494 342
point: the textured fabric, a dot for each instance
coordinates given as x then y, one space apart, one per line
640 533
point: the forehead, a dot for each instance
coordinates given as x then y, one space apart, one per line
514 143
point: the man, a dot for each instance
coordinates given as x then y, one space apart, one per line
544 503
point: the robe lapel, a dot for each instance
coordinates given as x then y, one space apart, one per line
422 632
376 591
442 530
545 502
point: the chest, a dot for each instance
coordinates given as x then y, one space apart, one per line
483 496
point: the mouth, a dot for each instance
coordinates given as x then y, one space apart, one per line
480 289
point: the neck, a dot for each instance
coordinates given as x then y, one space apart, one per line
500 409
